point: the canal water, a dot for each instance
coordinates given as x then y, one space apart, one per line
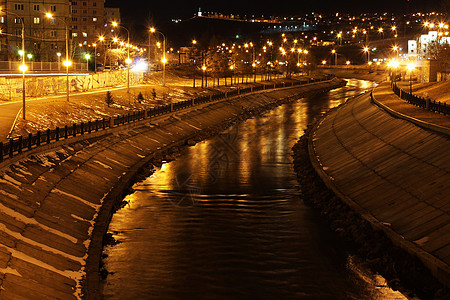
226 220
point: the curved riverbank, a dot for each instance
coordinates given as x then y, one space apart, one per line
56 205
362 168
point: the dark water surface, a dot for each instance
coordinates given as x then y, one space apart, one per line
226 221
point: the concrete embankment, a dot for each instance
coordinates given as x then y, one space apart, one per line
55 205
390 180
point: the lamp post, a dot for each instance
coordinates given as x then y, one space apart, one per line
23 68
410 67
87 56
335 56
128 60
67 63
367 49
163 60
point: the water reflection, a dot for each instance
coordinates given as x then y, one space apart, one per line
226 220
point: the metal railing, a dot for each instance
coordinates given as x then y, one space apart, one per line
18 145
13 66
426 103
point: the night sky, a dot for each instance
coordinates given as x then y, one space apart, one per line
163 11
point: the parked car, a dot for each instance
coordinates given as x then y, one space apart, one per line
100 67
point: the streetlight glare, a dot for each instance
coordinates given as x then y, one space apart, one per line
23 68
67 63
49 15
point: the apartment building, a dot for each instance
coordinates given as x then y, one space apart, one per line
44 37
87 21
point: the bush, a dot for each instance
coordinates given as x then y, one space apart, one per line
140 97
109 98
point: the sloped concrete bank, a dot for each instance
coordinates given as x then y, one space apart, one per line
55 205
328 181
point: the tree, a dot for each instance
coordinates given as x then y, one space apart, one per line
109 98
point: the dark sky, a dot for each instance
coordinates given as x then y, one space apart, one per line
164 10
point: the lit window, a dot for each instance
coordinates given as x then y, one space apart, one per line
84 34
74 34
36 20
94 19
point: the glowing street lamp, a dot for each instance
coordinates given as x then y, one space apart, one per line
411 68
367 49
128 60
23 68
163 60
87 56
67 63
335 55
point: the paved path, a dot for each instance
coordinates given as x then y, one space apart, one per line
395 173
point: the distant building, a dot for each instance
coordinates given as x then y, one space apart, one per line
424 46
112 14
87 21
44 37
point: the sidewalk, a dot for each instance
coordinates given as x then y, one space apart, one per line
383 95
395 174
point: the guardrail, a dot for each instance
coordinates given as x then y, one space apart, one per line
31 141
423 102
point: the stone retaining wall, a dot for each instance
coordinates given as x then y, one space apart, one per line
37 86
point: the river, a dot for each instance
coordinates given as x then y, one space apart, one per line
226 220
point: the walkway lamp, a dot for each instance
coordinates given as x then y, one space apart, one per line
87 56
23 68
164 60
411 68
128 60
67 63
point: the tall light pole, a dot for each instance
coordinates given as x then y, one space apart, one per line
411 67
67 63
87 56
23 68
128 60
335 56
367 49
163 60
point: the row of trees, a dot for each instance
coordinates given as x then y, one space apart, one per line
248 60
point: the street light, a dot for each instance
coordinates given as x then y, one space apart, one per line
163 60
128 60
67 63
367 49
23 68
87 56
335 56
410 67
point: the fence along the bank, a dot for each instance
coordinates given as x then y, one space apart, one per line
426 103
17 145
